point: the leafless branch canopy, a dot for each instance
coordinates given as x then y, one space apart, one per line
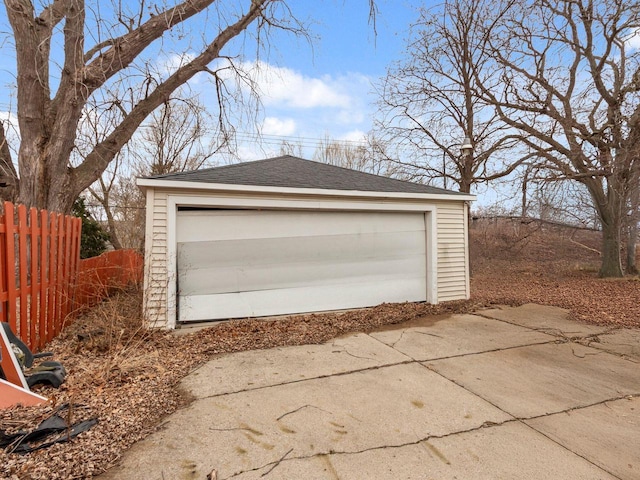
110 47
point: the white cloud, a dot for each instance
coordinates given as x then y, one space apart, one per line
633 42
354 136
285 87
276 126
350 117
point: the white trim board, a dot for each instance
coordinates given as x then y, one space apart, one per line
254 189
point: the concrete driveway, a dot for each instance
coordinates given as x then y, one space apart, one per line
511 393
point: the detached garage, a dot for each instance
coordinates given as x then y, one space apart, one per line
287 235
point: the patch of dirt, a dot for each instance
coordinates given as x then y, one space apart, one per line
128 377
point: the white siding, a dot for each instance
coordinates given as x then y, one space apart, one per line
155 290
453 278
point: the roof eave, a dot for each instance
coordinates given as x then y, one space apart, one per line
235 188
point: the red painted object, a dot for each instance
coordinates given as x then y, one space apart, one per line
101 276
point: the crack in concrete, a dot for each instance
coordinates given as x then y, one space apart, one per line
428 334
358 356
492 350
300 408
580 407
300 380
623 356
587 354
378 447
556 332
375 367
393 345
486 424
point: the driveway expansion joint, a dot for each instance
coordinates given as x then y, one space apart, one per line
301 380
410 360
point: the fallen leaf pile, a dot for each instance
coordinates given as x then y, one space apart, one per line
128 377
516 263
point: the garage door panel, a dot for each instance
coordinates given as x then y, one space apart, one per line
274 251
296 300
289 275
254 263
195 226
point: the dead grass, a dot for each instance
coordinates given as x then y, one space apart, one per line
127 376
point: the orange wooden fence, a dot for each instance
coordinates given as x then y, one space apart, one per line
39 254
101 276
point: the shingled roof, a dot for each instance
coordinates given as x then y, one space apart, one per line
294 172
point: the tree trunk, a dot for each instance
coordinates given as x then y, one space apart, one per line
8 175
632 235
632 268
611 261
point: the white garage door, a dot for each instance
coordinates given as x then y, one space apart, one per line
240 263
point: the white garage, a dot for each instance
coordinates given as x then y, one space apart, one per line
288 235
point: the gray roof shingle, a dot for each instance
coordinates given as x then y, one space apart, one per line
294 172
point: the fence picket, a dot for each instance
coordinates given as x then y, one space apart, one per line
44 279
59 275
10 261
52 268
3 271
23 269
34 287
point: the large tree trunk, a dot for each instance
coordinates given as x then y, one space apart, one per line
632 268
611 260
609 204
632 223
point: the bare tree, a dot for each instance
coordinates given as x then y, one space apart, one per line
290 147
370 156
428 101
7 170
178 136
126 39
564 76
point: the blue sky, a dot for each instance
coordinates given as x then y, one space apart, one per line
325 88
309 90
